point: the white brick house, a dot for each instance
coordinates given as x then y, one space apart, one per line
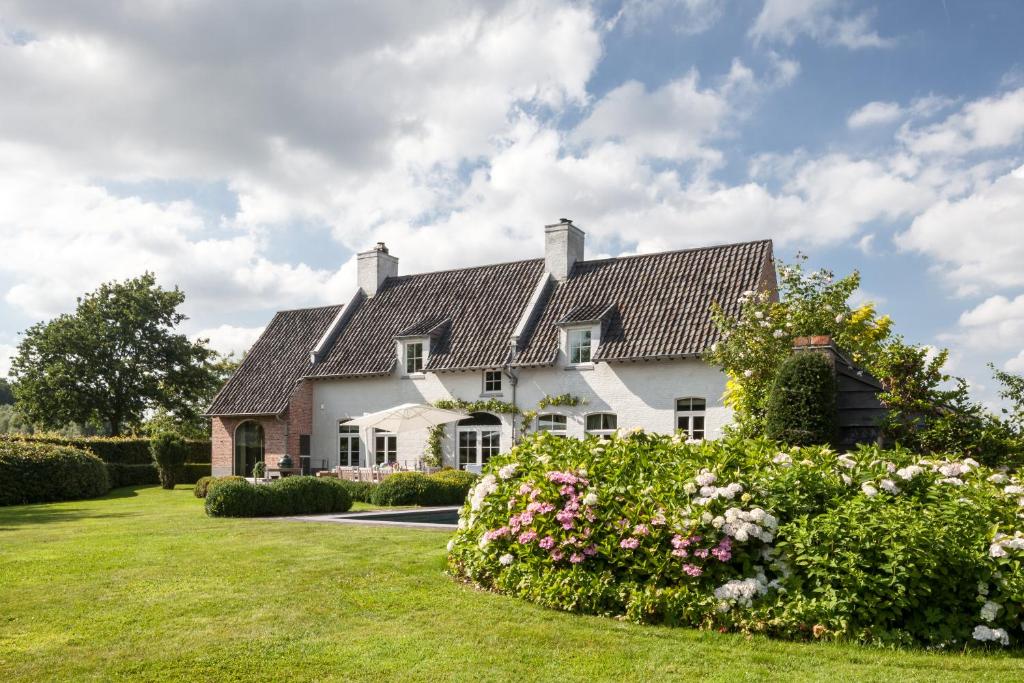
624 336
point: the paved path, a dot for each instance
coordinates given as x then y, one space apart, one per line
415 518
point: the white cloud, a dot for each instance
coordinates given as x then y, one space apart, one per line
822 20
1015 364
874 114
687 17
996 323
7 352
989 123
227 339
976 240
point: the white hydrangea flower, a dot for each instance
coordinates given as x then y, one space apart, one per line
783 459
984 633
590 499
748 373
778 334
707 518
982 588
952 480
486 486
869 490
706 478
909 472
889 486
505 560
847 461
482 543
1013 490
508 471
989 610
451 544
996 550
690 488
847 479
998 478
840 318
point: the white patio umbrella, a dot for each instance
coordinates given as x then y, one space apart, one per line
408 417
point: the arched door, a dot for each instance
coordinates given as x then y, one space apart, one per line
478 438
248 447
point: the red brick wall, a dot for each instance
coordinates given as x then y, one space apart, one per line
300 417
224 439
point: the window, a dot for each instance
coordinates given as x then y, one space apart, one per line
385 447
348 446
690 416
248 447
303 444
479 439
492 381
601 424
413 357
556 424
579 346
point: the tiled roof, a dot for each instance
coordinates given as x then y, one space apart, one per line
279 358
662 301
482 304
585 313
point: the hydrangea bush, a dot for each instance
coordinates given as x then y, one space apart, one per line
875 545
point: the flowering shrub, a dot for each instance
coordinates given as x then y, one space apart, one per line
876 545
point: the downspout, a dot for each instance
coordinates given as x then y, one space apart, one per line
514 381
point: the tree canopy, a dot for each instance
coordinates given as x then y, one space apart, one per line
117 357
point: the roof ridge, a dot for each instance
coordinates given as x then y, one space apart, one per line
465 268
676 251
307 308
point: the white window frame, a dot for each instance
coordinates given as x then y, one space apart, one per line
381 434
557 431
348 436
482 453
574 341
424 352
488 379
686 415
604 431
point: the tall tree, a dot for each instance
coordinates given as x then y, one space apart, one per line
6 393
116 357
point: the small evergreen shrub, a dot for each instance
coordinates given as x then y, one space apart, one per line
453 485
802 406
406 488
41 473
288 496
204 484
169 452
132 475
361 491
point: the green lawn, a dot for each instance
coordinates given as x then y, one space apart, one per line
142 585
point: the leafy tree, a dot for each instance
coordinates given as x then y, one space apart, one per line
114 358
1012 391
190 423
13 422
6 393
802 407
169 452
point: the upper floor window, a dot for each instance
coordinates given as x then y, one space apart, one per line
690 416
413 357
601 424
556 424
492 382
579 342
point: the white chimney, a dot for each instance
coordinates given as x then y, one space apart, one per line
563 247
375 266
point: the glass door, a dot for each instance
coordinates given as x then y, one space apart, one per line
348 446
477 445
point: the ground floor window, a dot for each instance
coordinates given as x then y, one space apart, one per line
248 447
602 424
348 446
478 439
690 416
556 424
385 447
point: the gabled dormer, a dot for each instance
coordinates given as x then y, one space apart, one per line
580 332
414 343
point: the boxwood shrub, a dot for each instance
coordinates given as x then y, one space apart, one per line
288 496
879 546
360 491
203 484
802 407
40 473
406 488
454 485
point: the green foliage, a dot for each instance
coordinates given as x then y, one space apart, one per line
204 484
6 393
288 496
361 491
876 546
802 406
12 421
115 357
490 405
259 469
433 454
169 452
39 473
406 488
122 450
132 475
453 485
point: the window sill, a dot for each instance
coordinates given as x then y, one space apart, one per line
492 394
415 375
579 366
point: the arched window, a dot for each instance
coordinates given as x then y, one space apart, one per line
248 447
690 416
556 424
478 440
602 424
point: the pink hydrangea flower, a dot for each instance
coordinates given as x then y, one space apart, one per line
680 542
576 558
590 550
557 555
681 552
701 553
629 543
524 489
547 543
692 569
494 534
525 518
567 490
641 530
562 477
658 519
527 537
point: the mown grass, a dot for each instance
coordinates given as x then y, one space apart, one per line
142 585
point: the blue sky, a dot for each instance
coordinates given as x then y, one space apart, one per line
246 150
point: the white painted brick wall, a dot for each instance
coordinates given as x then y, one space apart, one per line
641 394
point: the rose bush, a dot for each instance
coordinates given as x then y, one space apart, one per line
876 545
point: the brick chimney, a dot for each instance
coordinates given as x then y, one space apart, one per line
375 266
563 247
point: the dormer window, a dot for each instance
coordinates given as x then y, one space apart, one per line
414 357
580 342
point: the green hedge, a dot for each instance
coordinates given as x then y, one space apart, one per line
288 496
802 407
360 491
448 487
132 475
39 473
120 450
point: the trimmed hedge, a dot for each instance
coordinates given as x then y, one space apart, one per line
193 472
802 407
447 487
204 483
40 473
288 496
120 450
132 475
455 485
359 490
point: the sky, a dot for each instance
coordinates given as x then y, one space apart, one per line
245 150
